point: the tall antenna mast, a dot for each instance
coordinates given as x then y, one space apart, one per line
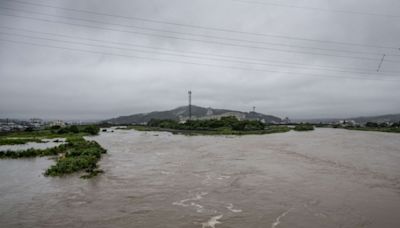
380 63
190 104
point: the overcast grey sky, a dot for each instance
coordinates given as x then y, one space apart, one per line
302 59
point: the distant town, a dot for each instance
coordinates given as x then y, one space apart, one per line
33 124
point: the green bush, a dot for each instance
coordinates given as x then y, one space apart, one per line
62 131
371 124
91 129
16 141
73 129
56 127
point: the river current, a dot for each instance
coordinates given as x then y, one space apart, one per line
324 178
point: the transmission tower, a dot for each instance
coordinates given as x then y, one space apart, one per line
190 104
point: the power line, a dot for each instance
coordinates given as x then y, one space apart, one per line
192 63
193 34
319 9
204 27
192 52
182 55
197 40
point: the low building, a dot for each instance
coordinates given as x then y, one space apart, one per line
57 123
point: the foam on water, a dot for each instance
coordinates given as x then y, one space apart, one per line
222 177
231 208
212 222
187 202
278 219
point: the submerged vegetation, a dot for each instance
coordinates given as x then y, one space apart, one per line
77 154
29 153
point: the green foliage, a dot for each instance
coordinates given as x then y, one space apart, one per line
371 124
17 141
33 152
76 155
92 129
62 131
68 165
22 137
304 127
29 129
80 155
230 122
382 127
396 125
73 129
225 126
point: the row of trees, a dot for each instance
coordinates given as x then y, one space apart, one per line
90 129
378 125
229 122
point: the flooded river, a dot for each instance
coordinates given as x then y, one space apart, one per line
325 178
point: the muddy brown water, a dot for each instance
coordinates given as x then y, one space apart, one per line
324 178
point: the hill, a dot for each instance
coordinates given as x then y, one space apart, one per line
378 119
362 120
182 113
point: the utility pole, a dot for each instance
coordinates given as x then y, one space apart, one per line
190 104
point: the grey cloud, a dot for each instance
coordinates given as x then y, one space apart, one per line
56 83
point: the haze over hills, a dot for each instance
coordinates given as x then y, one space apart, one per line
381 118
197 113
361 119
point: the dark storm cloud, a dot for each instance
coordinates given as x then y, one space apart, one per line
39 81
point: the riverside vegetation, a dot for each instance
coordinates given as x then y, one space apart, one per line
229 125
304 127
76 155
29 135
382 127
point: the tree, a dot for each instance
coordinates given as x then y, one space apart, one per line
91 129
371 124
74 129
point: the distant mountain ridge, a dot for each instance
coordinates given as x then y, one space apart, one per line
197 113
361 119
379 119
